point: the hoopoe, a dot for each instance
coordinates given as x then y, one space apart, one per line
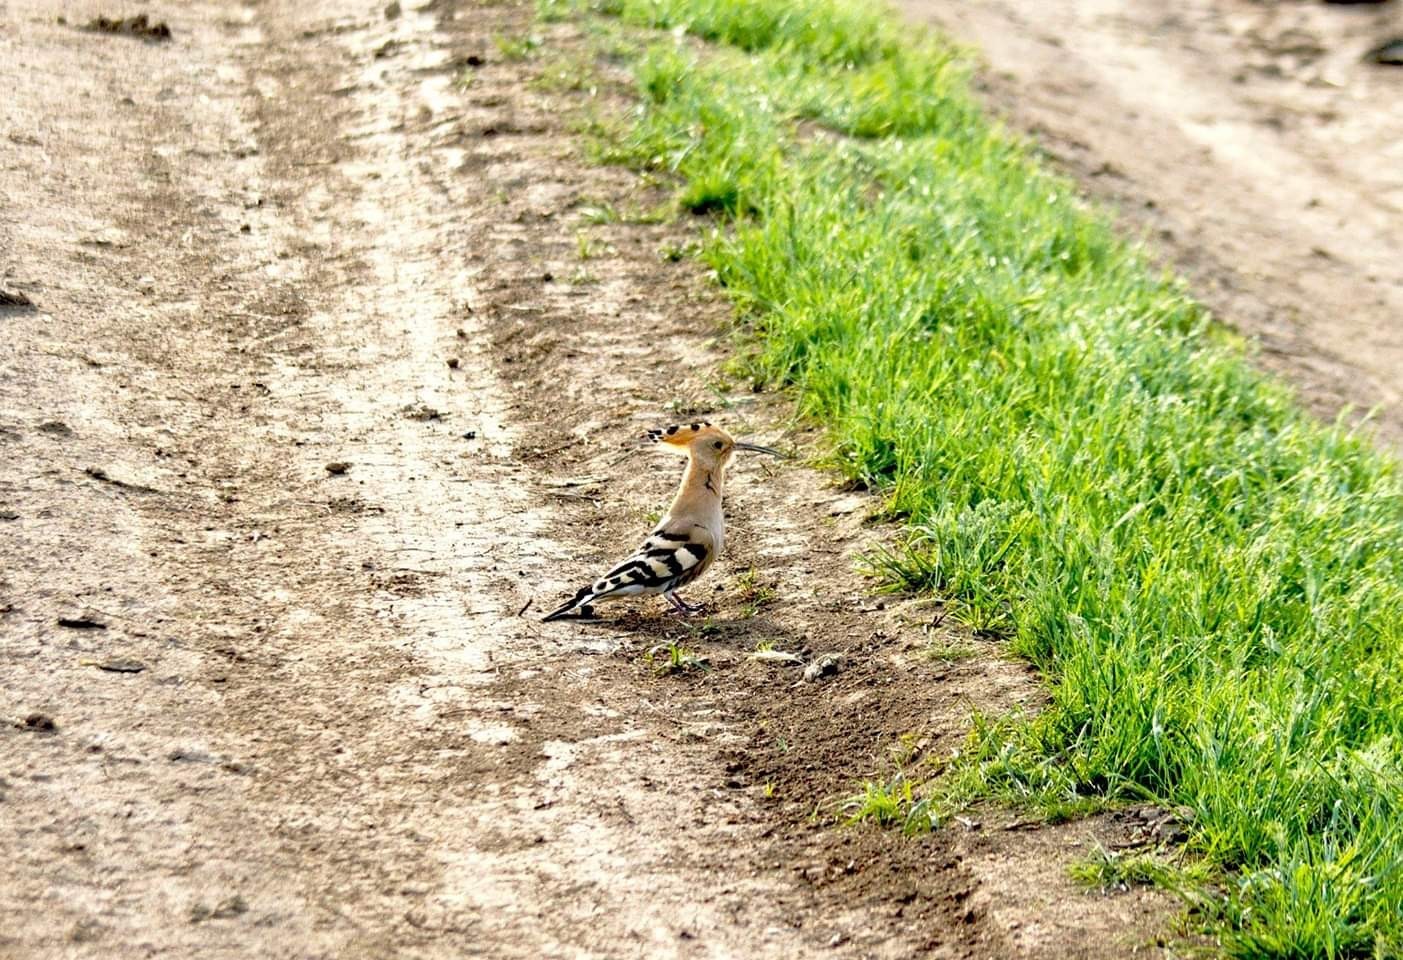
688 538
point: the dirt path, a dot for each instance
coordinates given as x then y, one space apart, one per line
1253 141
320 389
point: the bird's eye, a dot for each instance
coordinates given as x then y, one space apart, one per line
718 444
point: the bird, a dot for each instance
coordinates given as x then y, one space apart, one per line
690 535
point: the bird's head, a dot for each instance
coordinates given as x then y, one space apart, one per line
703 442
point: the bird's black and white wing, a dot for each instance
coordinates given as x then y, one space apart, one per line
670 558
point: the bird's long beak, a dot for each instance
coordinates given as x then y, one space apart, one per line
759 449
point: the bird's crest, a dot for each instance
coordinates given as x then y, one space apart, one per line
679 434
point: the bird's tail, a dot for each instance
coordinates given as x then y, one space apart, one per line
585 595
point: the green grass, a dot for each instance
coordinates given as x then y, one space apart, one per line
672 657
1110 871
752 591
890 804
517 48
948 651
1210 581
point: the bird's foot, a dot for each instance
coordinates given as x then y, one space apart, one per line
682 607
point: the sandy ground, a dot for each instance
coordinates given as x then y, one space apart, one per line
319 402
1256 145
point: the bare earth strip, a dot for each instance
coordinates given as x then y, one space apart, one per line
295 710
1255 143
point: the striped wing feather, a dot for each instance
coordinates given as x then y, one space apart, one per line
667 560
675 554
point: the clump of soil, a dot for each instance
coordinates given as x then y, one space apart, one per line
39 722
137 26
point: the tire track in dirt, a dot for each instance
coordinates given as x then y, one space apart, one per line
255 250
559 847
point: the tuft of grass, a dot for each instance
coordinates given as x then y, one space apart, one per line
890 804
753 592
673 657
599 213
1117 871
570 75
673 251
588 247
1210 580
950 650
517 48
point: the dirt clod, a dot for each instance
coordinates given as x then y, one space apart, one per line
56 428
121 666
81 623
421 412
1154 825
85 931
39 723
98 473
352 505
225 909
138 26
189 755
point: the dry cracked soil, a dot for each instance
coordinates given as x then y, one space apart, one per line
319 369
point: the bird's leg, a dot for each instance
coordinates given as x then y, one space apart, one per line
680 605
